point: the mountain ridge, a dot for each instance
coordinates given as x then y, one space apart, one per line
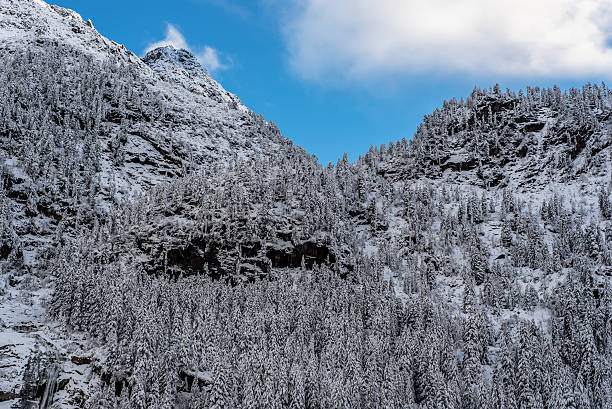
512 141
163 246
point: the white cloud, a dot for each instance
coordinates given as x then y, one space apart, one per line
208 56
173 38
518 38
210 59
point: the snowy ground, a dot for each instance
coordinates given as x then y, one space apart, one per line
24 330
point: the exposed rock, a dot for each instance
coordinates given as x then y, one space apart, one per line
211 188
61 384
514 147
187 377
4 396
172 117
80 360
290 255
39 380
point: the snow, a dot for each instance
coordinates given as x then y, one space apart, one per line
53 22
24 330
201 123
21 315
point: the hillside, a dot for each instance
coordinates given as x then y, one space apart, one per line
164 246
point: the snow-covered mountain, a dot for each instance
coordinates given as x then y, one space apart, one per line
164 246
89 122
540 140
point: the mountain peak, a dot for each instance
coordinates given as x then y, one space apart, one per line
179 57
182 67
64 12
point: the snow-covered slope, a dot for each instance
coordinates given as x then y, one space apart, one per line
163 246
86 124
33 22
539 141
91 112
181 67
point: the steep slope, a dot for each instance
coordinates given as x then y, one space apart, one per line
89 121
241 223
86 124
459 294
190 256
540 140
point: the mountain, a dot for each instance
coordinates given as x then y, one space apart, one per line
164 246
90 123
540 140
87 124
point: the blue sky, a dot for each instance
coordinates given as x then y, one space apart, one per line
339 76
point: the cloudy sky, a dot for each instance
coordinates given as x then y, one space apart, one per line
341 75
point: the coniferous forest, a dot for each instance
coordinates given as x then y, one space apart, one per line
162 246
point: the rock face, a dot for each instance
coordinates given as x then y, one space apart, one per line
182 68
93 123
531 143
230 224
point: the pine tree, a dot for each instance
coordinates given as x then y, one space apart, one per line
219 397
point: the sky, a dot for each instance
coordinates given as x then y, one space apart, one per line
339 76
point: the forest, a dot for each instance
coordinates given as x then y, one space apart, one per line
203 260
